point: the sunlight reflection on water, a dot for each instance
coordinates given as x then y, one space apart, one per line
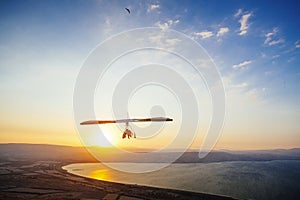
101 174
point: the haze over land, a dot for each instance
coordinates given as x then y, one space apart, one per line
37 152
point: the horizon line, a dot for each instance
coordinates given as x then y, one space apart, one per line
145 149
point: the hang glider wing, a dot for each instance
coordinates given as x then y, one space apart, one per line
154 119
127 10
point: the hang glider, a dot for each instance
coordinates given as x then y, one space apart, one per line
127 10
154 119
129 133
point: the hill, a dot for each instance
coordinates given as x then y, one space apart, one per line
40 152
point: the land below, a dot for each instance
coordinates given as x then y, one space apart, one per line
35 172
30 171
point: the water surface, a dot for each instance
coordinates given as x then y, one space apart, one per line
243 180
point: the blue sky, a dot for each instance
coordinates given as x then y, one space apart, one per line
255 45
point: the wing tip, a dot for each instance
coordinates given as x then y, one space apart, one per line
89 122
85 123
159 119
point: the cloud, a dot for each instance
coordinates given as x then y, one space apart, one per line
232 87
297 44
156 38
242 65
167 24
270 41
238 13
172 41
272 33
274 42
241 85
176 21
291 59
152 7
204 34
222 31
263 55
244 23
108 26
164 40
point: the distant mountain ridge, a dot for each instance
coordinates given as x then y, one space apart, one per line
40 152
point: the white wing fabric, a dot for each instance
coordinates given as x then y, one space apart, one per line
154 119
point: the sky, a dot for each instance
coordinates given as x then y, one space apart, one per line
254 44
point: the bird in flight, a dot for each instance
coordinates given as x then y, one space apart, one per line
127 10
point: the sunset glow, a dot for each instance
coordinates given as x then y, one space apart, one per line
254 45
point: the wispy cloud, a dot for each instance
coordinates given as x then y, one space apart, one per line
232 86
270 41
204 34
241 85
167 24
274 42
244 23
263 55
238 13
273 32
172 41
152 7
242 65
163 40
108 27
256 94
222 31
291 59
297 44
270 35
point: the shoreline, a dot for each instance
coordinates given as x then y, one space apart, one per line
47 180
189 194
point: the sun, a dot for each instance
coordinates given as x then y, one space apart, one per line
107 138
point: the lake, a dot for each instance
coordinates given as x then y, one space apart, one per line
240 179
